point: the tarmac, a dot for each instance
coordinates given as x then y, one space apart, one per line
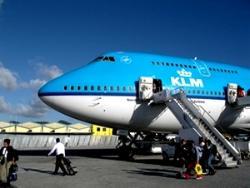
102 168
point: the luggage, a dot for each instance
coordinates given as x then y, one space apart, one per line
13 172
70 170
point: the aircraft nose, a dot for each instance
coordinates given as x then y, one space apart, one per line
45 89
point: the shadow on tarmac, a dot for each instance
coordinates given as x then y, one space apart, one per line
38 170
72 152
155 172
107 154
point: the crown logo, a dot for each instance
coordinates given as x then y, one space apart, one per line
184 73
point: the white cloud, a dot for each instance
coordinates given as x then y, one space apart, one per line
4 106
34 109
34 83
7 78
49 71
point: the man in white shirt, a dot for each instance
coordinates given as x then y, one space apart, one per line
60 154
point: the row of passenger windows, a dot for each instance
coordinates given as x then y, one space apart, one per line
193 67
173 64
99 88
223 70
203 92
131 88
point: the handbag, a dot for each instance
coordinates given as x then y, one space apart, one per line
13 172
2 160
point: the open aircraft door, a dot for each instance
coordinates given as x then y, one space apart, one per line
148 86
232 93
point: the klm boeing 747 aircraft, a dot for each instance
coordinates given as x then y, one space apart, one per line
115 90
145 92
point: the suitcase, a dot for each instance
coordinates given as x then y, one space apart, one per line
71 170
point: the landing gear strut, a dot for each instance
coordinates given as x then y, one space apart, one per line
127 145
138 142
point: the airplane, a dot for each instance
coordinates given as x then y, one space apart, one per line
117 89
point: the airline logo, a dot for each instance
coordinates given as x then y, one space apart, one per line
126 59
185 80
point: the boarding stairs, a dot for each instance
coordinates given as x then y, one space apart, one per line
195 117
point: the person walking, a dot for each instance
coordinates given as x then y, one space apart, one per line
212 150
60 154
8 157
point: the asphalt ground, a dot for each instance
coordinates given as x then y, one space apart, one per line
108 171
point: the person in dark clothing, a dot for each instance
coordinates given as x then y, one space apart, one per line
190 158
204 158
182 153
212 152
8 158
60 154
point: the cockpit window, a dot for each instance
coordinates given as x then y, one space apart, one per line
105 58
99 58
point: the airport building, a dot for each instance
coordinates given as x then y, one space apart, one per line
60 127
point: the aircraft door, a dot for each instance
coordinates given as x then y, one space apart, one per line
232 93
145 88
148 86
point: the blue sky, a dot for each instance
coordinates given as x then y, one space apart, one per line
41 39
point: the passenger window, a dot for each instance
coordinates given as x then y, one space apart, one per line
79 88
105 88
111 88
85 88
185 66
92 88
118 88
98 88
65 88
72 87
124 88
167 64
